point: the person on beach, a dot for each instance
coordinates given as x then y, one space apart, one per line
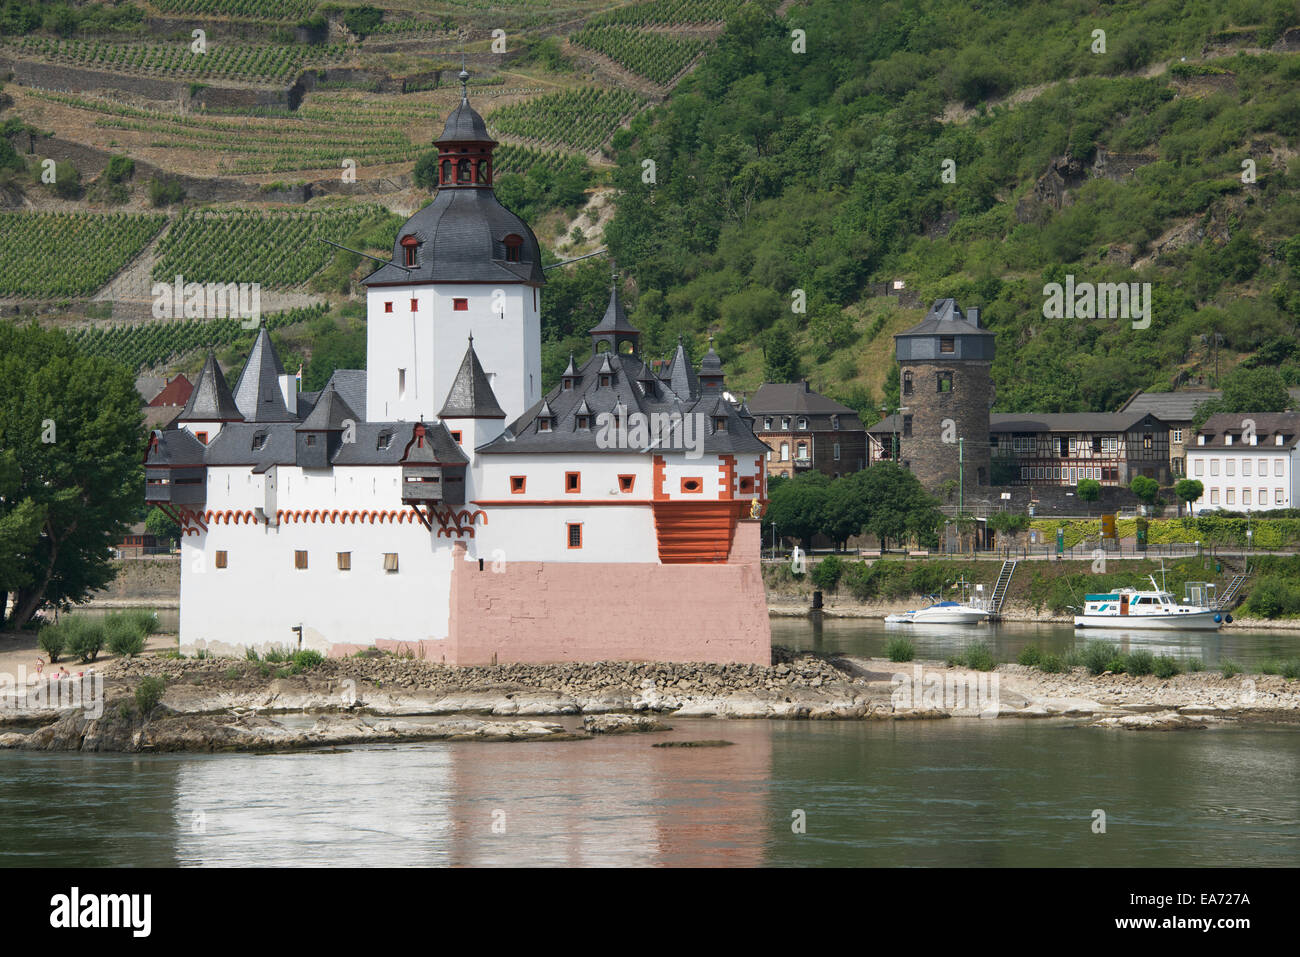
40 665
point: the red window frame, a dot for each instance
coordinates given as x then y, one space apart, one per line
573 483
699 484
518 484
460 305
388 307
626 482
569 528
455 436
415 305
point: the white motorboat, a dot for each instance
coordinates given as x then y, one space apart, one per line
970 612
1131 609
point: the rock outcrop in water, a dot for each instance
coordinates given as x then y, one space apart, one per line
214 704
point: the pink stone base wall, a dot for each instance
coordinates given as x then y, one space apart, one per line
540 613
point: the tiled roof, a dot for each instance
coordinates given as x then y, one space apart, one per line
945 318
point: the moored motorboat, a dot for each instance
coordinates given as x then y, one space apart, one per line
1154 609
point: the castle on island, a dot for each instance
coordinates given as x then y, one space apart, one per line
438 503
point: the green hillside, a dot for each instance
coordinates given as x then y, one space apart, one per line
822 171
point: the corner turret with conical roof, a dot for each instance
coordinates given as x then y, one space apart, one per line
211 404
260 393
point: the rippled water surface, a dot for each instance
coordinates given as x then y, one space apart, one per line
960 792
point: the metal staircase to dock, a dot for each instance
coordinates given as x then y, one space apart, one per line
1000 589
1229 595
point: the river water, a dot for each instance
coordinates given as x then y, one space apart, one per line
966 792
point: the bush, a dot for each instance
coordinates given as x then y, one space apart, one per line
1166 667
1097 656
826 573
1229 668
859 581
53 640
1140 663
899 648
1290 668
977 656
1051 664
119 168
1195 665
145 619
1117 665
1030 655
85 637
165 192
276 656
123 635
148 694
251 655
306 660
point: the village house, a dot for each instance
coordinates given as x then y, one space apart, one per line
1246 463
806 430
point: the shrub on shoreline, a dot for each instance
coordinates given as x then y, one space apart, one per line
899 648
977 656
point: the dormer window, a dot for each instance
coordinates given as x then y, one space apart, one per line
567 384
803 423
1227 438
1277 440
606 380
385 439
785 423
259 441
513 244
720 423
410 246
584 422
543 425
767 424
835 423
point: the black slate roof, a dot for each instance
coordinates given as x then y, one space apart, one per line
462 239
211 400
176 447
945 317
471 395
235 445
258 394
626 393
1069 421
330 413
615 318
1268 426
349 383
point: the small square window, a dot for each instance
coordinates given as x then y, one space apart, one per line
311 439
388 307
947 344
220 559
259 442
300 559
384 441
345 561
625 482
575 534
543 425
202 437
460 305
517 484
390 562
573 482
455 436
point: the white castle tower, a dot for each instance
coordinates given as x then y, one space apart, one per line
464 265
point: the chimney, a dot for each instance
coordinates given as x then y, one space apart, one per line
806 386
973 315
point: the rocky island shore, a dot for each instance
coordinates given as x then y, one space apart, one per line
221 704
